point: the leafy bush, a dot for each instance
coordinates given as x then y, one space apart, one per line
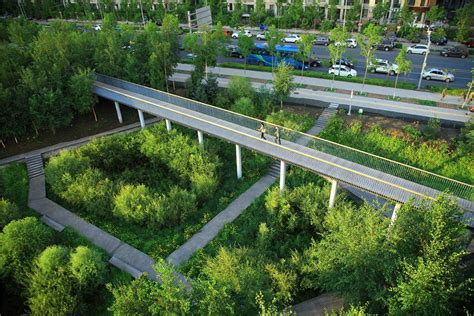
240 87
20 242
177 206
88 267
14 184
136 204
62 169
297 122
244 106
8 212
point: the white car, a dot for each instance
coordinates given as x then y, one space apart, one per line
351 43
261 36
438 74
292 38
247 33
343 71
97 27
418 49
383 66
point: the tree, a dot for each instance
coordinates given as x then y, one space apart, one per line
338 46
404 66
88 267
352 15
82 98
371 37
464 22
8 212
295 12
332 10
240 87
20 242
283 83
380 11
51 289
274 38
244 106
435 14
170 48
304 47
246 44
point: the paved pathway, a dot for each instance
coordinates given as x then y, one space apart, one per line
326 83
211 229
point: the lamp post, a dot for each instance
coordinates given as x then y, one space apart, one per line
426 57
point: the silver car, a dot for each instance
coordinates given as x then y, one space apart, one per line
438 74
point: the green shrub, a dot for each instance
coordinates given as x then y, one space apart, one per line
88 267
427 102
240 87
136 204
14 184
20 242
8 212
297 122
90 191
178 205
450 91
244 106
432 130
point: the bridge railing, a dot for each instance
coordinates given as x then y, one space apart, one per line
423 177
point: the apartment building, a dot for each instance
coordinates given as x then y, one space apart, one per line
421 6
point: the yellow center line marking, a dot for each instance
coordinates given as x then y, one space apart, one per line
271 143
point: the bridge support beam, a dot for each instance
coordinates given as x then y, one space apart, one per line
238 157
142 119
396 208
282 175
119 112
200 138
332 196
168 125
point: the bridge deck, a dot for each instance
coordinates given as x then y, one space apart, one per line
371 180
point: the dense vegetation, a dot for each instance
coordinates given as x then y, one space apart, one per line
419 147
46 74
288 247
43 272
152 189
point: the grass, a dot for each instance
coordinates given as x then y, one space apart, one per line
160 242
450 91
427 102
322 75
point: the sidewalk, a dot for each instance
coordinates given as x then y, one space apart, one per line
326 83
319 98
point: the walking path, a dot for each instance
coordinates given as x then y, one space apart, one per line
326 83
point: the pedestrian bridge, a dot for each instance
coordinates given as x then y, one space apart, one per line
386 178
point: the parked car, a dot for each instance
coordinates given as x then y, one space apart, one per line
469 43
438 74
342 71
247 33
322 40
292 38
383 66
263 27
344 62
440 41
351 43
233 51
392 36
261 36
454 51
314 62
97 27
158 22
385 45
417 49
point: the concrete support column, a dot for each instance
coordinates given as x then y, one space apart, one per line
332 196
394 214
200 138
282 175
119 112
238 157
142 119
168 125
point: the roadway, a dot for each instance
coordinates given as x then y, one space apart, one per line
461 68
241 130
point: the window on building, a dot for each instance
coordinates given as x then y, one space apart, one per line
365 13
231 7
250 7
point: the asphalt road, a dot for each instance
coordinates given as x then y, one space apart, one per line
460 68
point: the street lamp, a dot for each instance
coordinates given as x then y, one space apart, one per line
426 57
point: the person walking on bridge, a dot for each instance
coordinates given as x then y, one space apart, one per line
277 135
262 130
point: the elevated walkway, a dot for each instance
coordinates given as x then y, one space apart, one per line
383 177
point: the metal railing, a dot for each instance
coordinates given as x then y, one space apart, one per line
397 169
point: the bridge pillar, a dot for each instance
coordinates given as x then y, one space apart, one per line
142 119
396 208
168 125
119 112
282 175
200 138
238 157
332 196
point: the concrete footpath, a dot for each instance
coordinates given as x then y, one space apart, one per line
312 97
